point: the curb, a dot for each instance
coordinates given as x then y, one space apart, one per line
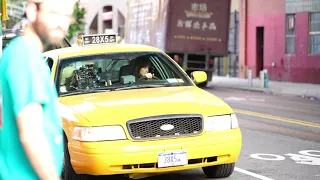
241 88
267 91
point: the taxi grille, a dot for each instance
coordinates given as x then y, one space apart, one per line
165 126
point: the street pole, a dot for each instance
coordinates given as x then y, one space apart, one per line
218 66
250 77
3 17
1 34
262 85
235 42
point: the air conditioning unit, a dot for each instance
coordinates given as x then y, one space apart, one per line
107 16
291 21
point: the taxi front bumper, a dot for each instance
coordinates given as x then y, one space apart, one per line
132 157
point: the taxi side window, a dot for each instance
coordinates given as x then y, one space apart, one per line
119 64
110 68
49 62
164 69
116 69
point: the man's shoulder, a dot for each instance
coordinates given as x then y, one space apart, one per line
19 50
17 41
15 47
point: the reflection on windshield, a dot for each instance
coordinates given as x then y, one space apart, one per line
118 72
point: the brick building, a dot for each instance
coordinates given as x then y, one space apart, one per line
282 36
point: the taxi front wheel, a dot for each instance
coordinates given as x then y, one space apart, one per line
203 85
68 172
219 171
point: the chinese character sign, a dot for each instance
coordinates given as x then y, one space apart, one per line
204 22
199 11
196 25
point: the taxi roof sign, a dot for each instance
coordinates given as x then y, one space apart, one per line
95 39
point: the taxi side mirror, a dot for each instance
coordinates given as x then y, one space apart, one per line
199 77
119 39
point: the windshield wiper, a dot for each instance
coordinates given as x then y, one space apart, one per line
84 91
139 86
148 86
167 84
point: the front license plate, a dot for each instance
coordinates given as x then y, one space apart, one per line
172 158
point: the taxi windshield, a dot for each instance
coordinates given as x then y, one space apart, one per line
122 71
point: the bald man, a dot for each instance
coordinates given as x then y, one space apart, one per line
31 136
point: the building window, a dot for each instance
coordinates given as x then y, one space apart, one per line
314 33
290 33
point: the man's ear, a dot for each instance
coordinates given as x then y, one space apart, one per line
31 12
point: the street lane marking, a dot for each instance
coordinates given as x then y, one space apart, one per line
277 157
277 107
252 174
243 99
304 157
307 153
261 100
235 99
277 118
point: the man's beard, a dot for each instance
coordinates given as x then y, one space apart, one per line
43 34
40 30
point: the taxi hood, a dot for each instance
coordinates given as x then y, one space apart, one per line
117 107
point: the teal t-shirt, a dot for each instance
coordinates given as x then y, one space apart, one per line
25 78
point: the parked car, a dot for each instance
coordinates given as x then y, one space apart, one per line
9 34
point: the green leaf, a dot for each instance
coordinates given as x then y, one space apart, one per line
79 14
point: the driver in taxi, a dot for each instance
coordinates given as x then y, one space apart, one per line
142 69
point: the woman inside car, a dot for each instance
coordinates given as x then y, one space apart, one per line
142 69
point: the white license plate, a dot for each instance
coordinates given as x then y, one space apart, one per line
172 158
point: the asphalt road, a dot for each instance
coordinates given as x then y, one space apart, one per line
285 129
281 138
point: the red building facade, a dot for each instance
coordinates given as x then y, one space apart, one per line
282 36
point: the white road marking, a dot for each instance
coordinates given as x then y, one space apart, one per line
307 157
302 159
252 174
243 99
235 99
260 100
307 153
270 157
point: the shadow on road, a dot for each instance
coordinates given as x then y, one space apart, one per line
182 175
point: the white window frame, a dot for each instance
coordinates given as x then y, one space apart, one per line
288 35
311 33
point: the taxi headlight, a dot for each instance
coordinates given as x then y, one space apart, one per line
222 123
102 133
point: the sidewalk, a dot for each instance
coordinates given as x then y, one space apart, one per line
275 87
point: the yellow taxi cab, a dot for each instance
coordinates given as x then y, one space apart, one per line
135 112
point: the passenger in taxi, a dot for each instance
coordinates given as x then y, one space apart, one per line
66 74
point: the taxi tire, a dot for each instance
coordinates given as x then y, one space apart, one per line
219 171
68 171
203 85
